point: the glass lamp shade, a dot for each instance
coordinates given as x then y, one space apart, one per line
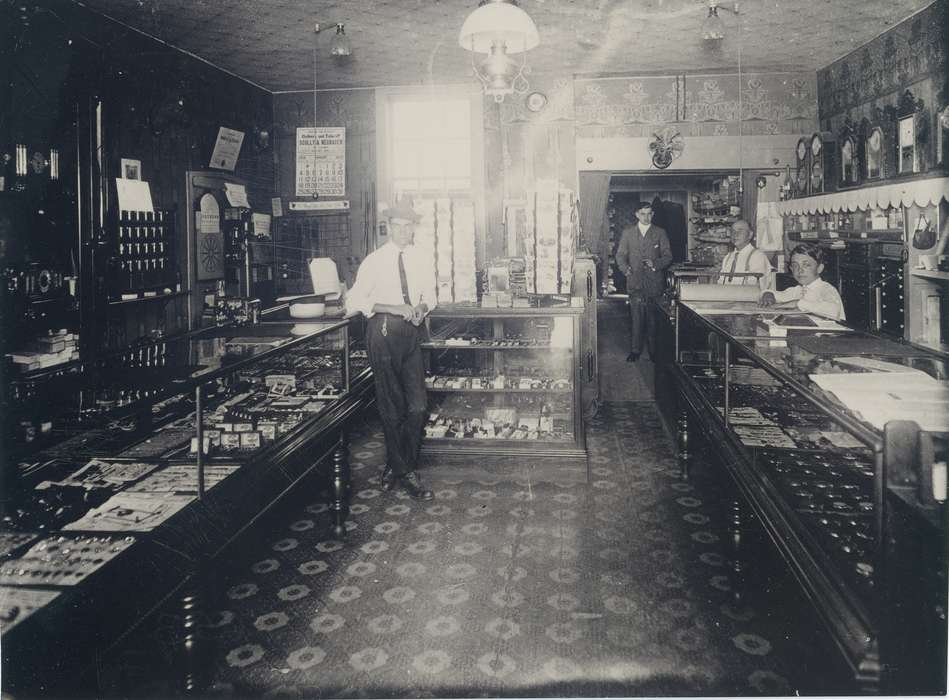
713 29
498 22
340 45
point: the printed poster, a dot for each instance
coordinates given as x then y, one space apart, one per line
226 148
321 161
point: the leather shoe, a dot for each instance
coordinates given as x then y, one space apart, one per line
387 479
413 486
632 357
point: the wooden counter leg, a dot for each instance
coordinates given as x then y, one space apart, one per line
341 481
682 435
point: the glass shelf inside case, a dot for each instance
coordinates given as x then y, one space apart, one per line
504 383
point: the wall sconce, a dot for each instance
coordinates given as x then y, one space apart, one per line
340 46
713 28
499 29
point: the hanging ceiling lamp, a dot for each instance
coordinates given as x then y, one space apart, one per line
499 29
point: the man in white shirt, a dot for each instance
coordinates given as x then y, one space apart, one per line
745 258
395 290
812 294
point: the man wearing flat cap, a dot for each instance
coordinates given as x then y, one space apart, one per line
395 290
643 254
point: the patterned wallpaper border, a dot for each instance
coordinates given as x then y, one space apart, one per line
701 105
908 53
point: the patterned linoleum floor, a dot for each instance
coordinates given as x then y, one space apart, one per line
618 588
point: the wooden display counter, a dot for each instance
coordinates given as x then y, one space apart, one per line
119 526
504 389
849 504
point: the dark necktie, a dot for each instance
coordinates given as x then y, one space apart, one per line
734 265
403 280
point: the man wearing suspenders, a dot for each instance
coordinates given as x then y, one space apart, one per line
745 258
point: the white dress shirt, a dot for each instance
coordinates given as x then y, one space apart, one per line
749 259
818 297
377 281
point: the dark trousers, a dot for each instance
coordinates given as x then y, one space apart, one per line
641 322
399 376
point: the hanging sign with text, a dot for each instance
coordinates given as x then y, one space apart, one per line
321 161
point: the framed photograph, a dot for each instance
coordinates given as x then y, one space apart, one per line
131 169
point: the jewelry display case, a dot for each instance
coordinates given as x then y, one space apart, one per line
850 490
163 458
504 390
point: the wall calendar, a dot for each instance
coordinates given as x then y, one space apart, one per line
321 161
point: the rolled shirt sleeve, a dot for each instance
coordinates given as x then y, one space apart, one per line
360 299
819 297
377 280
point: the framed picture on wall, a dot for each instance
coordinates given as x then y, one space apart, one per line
131 169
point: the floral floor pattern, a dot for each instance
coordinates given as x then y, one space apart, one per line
618 588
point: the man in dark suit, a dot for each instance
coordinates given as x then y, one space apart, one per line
643 254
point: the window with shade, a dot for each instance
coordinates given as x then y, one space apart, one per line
430 146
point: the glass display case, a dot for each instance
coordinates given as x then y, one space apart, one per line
505 384
160 457
837 442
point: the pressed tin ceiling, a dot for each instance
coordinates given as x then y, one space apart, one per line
414 42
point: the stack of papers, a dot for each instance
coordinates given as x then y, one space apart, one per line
778 327
881 396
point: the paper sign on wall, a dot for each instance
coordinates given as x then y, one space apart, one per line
321 161
261 223
209 216
226 148
236 195
209 241
134 195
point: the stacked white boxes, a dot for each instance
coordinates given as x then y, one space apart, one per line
446 235
551 240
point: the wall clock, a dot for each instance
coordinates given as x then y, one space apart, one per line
802 176
849 156
874 153
822 156
536 101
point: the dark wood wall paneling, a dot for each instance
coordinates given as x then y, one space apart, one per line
161 107
356 111
910 56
